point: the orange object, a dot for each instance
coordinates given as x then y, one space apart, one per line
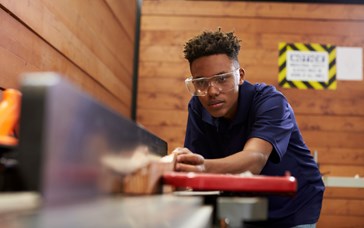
9 117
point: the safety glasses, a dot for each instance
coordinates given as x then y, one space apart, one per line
223 82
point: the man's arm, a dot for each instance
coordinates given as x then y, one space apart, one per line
252 158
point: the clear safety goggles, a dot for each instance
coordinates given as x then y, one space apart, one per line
223 82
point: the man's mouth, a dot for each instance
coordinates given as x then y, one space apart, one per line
215 103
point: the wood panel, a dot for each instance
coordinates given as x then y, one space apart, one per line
248 40
337 155
340 221
125 11
334 139
343 207
332 122
79 19
254 25
342 170
90 36
349 193
262 10
23 51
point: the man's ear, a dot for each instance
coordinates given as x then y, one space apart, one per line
242 75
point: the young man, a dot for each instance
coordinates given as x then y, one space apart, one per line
235 126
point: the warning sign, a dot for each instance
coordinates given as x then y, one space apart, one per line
307 66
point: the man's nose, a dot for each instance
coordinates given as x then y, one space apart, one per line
212 89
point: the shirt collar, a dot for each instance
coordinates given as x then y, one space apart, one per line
246 95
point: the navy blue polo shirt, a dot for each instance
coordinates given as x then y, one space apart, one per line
263 112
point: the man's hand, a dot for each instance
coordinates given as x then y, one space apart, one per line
186 161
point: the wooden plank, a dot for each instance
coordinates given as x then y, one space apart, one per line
168 102
35 14
267 41
339 156
172 54
340 221
333 139
11 66
125 12
254 9
343 207
342 170
23 51
248 58
163 118
105 38
162 69
165 37
170 86
158 53
347 193
253 25
330 123
328 104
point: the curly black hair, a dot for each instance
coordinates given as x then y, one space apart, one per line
210 43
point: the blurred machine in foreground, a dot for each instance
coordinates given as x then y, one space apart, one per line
68 147
67 139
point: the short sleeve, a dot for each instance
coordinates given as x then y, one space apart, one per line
274 122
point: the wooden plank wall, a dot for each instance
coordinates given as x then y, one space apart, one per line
332 122
90 42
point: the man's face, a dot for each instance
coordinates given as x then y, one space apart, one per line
217 103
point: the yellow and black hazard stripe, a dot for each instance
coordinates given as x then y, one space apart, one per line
282 78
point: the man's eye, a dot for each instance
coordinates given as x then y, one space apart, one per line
200 83
222 78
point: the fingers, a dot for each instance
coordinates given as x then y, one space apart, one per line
181 167
181 150
186 161
189 158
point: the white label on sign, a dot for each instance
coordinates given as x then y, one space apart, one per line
307 66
